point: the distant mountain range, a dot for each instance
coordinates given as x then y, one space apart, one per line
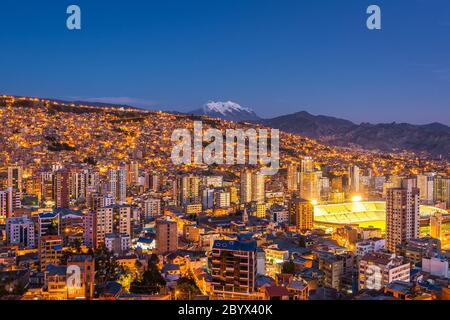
227 110
433 139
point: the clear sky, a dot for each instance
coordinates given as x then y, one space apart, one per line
275 56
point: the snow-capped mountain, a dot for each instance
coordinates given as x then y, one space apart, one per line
227 110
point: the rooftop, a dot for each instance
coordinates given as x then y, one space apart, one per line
277 291
235 245
400 286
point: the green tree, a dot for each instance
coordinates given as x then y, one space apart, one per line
186 289
153 259
151 281
107 268
288 267
11 288
125 280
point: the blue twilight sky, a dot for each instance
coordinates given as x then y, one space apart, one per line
275 56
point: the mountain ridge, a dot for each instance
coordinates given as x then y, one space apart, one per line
432 138
228 110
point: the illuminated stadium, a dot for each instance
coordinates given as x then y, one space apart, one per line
363 214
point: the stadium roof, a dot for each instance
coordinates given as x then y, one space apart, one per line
359 212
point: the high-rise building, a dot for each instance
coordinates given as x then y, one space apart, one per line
307 164
97 200
261 210
208 198
49 224
425 183
117 184
90 229
292 178
234 269
386 186
78 180
71 226
112 219
310 185
152 208
20 231
32 186
301 214
246 186
354 178
402 216
234 198
213 181
47 186
442 190
365 186
335 268
117 243
93 180
436 225
62 188
166 236
6 203
378 269
325 188
396 181
309 180
188 190
336 184
252 187
409 183
132 173
15 177
222 199
152 182
258 188
50 251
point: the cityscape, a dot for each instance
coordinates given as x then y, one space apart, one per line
219 156
93 208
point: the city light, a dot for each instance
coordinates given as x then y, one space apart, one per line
91 199
265 176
